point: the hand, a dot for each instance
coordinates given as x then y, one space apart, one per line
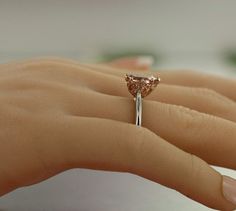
59 114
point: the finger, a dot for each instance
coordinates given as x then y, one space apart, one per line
203 100
135 63
200 99
115 146
223 158
207 136
220 84
223 85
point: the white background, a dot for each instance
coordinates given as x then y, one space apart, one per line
187 34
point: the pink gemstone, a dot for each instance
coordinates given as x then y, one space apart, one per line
143 84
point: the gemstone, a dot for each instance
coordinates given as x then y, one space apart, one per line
144 84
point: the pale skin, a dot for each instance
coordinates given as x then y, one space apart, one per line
58 114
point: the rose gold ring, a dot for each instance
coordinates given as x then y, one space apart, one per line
140 86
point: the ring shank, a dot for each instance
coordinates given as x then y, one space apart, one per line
138 109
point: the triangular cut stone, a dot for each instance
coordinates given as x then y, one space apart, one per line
143 84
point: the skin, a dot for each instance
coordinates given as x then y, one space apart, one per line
58 114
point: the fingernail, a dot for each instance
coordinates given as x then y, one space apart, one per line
229 189
145 61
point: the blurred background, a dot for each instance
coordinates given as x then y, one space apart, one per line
179 34
183 34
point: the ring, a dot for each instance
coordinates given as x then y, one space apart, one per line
140 86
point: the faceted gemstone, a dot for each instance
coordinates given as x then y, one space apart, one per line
140 83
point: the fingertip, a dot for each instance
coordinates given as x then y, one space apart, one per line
136 63
145 61
229 189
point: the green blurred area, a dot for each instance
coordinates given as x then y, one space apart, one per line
107 56
230 57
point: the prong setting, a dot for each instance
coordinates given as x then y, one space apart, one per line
143 84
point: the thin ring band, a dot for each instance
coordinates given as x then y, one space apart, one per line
138 100
140 86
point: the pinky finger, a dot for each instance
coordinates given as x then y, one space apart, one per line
111 145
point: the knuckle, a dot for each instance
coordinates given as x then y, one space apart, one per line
192 122
210 94
39 65
188 117
206 91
